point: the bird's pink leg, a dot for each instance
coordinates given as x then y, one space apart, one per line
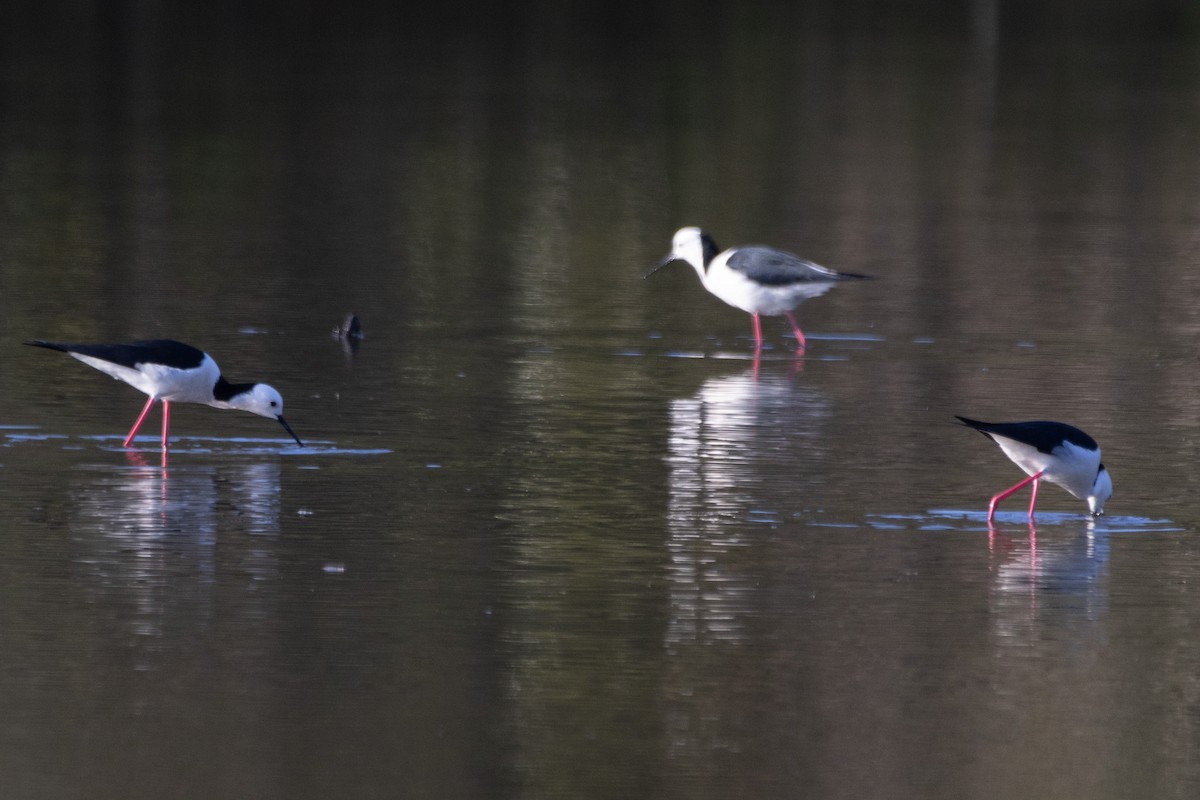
801 342
757 333
166 422
141 417
1037 480
1034 479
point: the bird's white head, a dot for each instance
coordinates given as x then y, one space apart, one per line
263 400
691 245
1102 489
259 399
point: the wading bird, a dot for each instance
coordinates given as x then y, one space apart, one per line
171 371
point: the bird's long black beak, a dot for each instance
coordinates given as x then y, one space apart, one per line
669 259
288 428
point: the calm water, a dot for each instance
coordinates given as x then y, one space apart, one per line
554 532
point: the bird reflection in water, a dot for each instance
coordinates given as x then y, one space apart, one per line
148 540
736 446
1041 580
739 445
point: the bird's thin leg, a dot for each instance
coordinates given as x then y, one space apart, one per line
801 342
141 417
995 500
757 333
166 422
1037 480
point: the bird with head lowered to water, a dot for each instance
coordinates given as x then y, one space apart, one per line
1055 451
172 371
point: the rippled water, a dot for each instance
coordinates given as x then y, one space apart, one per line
555 531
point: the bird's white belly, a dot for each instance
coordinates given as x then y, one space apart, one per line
1070 467
165 383
755 298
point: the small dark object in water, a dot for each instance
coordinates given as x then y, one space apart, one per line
349 329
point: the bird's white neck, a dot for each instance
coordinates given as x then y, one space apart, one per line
696 260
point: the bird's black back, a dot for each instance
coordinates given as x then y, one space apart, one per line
772 267
1042 435
167 352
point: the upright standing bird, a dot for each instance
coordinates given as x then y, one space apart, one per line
1060 453
174 372
756 279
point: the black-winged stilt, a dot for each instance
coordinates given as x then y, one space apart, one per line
754 278
174 372
1060 453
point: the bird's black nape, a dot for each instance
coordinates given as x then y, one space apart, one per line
226 391
710 248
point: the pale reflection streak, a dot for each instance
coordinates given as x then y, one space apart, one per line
731 447
148 536
1035 581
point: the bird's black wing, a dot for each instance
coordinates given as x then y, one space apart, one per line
157 351
1043 435
772 267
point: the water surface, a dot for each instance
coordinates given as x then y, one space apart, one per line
555 531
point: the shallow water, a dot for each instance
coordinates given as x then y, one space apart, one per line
554 530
